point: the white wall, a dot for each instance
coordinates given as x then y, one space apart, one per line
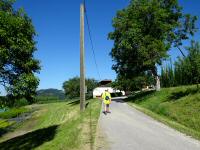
99 90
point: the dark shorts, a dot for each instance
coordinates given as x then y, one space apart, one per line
107 105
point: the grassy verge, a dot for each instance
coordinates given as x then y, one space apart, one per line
56 126
13 112
5 123
178 107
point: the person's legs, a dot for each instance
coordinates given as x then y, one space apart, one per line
104 111
107 108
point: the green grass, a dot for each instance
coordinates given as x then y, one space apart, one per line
4 124
13 112
56 126
179 107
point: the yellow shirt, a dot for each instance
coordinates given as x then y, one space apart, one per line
104 97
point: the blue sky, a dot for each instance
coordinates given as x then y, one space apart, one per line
57 25
191 7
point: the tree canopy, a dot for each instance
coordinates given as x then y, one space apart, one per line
17 46
144 32
135 83
186 69
72 87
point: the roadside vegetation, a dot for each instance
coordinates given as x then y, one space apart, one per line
72 87
13 112
56 123
138 53
177 107
55 126
185 70
18 67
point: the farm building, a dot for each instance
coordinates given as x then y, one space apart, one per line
104 84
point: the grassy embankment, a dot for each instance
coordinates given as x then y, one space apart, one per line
55 126
11 113
178 107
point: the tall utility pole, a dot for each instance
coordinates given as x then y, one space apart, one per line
82 60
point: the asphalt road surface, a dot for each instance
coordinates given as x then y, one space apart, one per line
129 129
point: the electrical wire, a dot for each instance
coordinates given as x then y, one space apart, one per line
91 41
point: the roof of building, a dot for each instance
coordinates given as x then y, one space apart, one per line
104 82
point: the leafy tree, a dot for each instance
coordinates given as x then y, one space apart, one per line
72 87
182 71
123 84
136 83
144 32
91 85
17 45
194 59
167 76
186 69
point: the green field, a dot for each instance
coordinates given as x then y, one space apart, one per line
55 126
178 107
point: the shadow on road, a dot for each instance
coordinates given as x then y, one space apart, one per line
118 100
30 140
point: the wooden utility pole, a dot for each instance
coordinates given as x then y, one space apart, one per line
82 60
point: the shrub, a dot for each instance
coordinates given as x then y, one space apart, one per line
21 102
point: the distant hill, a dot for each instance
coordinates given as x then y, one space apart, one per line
51 93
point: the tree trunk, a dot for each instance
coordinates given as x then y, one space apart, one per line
157 83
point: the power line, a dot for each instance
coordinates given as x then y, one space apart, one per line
91 41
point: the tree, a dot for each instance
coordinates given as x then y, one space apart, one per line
144 32
72 87
194 59
168 75
17 46
186 69
136 83
123 84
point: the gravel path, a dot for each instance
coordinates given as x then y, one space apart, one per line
128 129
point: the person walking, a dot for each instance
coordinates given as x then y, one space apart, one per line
106 97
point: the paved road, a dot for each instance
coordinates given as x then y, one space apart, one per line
128 129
